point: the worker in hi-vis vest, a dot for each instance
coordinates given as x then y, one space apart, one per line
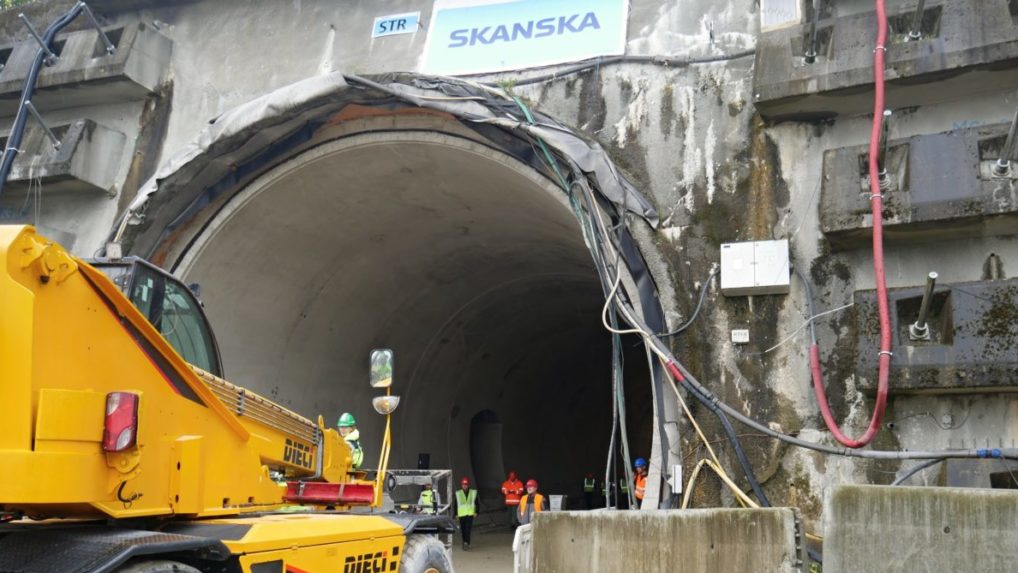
588 490
466 509
640 481
512 489
531 503
623 501
611 497
348 429
428 502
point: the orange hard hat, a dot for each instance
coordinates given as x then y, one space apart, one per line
532 483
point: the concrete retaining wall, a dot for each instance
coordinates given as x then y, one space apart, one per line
890 529
691 541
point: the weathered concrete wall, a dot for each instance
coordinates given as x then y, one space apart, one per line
690 138
894 529
695 541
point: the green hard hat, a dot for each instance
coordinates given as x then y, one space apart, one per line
346 420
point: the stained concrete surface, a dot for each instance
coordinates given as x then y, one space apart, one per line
904 529
951 60
692 541
974 339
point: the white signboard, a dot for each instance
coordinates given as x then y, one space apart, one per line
396 24
478 36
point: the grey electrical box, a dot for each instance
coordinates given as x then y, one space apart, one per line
754 267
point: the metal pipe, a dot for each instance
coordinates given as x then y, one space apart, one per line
49 133
1003 165
882 150
110 48
811 41
920 330
51 58
915 31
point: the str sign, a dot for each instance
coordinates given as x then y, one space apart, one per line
479 36
396 24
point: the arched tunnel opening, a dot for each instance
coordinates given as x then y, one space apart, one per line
469 264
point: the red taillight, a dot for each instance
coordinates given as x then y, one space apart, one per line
121 430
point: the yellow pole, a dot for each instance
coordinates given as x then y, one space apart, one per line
383 458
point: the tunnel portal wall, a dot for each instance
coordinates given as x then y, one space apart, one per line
716 168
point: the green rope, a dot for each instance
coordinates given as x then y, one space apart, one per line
540 143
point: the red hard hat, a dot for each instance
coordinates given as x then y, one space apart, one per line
512 475
589 475
465 481
532 483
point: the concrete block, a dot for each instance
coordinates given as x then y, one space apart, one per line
87 160
905 529
942 186
85 74
691 541
973 346
968 47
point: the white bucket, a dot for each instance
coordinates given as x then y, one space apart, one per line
557 502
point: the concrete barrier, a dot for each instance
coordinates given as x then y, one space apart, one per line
932 529
523 549
691 541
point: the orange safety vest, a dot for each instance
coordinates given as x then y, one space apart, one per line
641 485
512 490
538 504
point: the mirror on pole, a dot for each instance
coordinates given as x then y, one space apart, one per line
381 368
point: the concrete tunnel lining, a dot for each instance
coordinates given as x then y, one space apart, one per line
465 261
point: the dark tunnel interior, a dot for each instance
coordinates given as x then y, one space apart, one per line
465 262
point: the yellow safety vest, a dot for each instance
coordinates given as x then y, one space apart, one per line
588 485
427 501
356 452
466 503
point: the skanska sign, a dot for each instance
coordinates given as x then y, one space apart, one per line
479 36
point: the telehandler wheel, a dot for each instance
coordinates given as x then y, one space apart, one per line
156 566
424 554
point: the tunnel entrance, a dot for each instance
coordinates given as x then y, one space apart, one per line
486 450
467 263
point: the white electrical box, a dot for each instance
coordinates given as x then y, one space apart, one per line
754 267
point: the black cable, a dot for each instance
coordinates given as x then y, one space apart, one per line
916 469
696 311
665 61
126 500
815 555
726 425
740 454
809 302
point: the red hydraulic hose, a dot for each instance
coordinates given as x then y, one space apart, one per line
876 202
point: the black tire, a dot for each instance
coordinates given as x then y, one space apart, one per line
156 566
424 554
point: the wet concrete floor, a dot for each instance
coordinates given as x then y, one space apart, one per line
491 551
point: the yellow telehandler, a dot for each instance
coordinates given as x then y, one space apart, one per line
123 450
